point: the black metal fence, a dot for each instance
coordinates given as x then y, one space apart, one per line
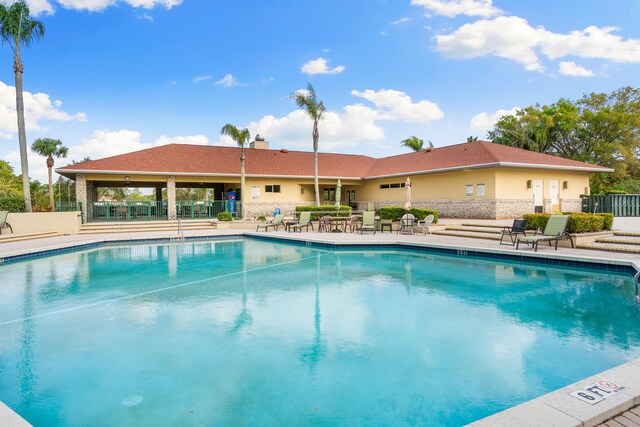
617 204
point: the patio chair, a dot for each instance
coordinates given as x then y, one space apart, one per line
324 224
406 224
304 221
519 227
555 230
426 224
368 222
3 221
371 207
354 223
275 223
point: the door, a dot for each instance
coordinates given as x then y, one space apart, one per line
351 198
554 193
538 202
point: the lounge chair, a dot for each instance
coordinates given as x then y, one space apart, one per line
368 222
3 221
275 223
555 230
406 224
519 227
305 221
426 224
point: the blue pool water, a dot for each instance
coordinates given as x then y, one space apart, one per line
247 332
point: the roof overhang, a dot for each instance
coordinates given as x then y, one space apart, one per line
70 172
493 165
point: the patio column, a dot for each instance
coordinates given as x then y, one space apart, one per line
158 193
81 193
92 197
171 198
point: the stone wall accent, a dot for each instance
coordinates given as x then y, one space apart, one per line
513 208
571 205
92 197
466 208
81 193
171 198
256 209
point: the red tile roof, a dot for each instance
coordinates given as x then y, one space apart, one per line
183 159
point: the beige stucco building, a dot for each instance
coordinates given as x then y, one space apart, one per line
476 179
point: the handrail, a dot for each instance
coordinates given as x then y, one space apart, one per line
636 278
180 230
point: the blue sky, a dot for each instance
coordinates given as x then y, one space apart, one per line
112 76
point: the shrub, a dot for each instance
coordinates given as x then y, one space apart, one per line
225 216
12 204
41 208
261 218
330 209
608 191
396 212
607 220
579 222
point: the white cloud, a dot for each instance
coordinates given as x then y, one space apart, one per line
482 123
397 105
198 79
227 81
514 38
38 107
105 143
46 6
400 21
355 124
319 66
570 68
452 8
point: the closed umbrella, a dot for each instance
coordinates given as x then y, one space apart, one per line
407 194
338 194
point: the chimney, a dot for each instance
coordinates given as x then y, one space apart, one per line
259 143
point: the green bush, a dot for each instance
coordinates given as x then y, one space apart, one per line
12 204
608 191
329 209
225 216
579 222
261 218
396 212
607 220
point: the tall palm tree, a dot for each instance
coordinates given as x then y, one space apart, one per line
50 148
241 137
413 143
309 103
18 28
472 138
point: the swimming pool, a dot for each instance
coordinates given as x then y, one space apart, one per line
254 332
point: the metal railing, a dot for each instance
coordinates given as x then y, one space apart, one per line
617 204
125 211
65 206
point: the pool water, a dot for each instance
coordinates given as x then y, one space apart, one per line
250 332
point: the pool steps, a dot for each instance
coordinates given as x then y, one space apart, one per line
6 238
146 226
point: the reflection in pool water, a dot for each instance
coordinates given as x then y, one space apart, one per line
253 332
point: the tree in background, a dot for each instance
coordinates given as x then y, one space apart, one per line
472 138
9 183
50 148
241 137
308 102
17 29
599 128
413 142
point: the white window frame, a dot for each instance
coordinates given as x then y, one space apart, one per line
469 190
480 189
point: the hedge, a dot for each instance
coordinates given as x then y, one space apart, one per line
225 216
330 209
579 222
608 220
396 212
12 204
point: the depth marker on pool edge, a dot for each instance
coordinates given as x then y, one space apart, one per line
195 282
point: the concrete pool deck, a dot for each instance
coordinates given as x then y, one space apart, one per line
556 408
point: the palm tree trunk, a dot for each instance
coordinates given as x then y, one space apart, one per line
242 192
316 136
22 135
51 201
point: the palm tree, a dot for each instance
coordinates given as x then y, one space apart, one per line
241 137
309 103
472 138
18 28
413 143
50 148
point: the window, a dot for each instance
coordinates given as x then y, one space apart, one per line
272 188
394 185
469 189
329 194
480 190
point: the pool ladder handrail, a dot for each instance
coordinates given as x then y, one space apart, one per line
180 230
636 279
